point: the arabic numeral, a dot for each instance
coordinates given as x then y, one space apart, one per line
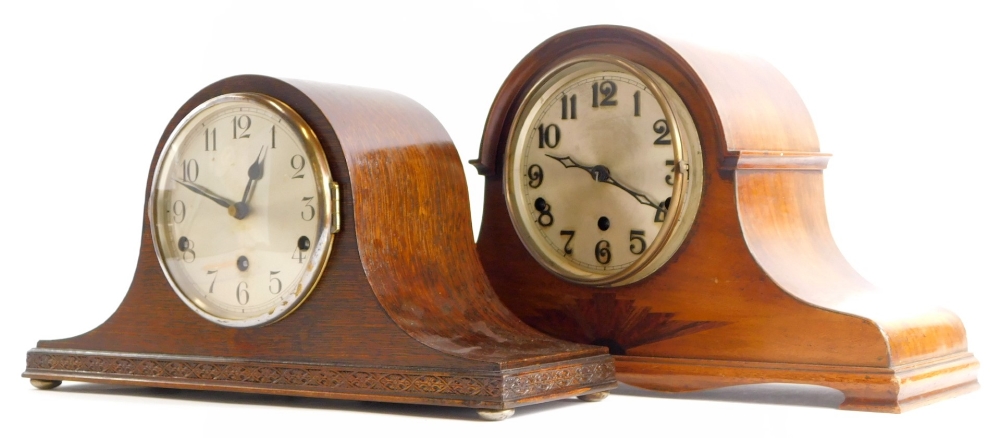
548 136
215 276
299 255
670 176
241 124
274 285
568 107
186 247
190 169
607 89
545 218
661 127
637 235
242 294
209 141
179 211
566 249
309 211
661 212
602 252
535 176
298 164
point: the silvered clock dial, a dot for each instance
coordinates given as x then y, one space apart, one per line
243 210
604 171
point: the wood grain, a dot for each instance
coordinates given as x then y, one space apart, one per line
759 291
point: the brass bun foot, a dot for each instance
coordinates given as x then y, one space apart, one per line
595 397
45 384
495 414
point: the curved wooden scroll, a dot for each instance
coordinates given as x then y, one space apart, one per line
403 312
759 292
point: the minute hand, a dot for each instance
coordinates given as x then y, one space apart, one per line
601 173
204 192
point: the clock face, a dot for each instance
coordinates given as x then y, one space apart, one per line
603 171
241 210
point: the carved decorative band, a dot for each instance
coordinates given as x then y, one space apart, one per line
773 160
322 378
537 383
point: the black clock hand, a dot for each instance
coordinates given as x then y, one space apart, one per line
254 173
601 173
204 192
643 199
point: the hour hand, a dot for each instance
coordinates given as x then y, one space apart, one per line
254 173
600 173
204 192
567 162
241 210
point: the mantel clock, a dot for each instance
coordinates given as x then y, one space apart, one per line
287 251
666 201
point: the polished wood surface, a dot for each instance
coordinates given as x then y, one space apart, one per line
403 311
759 291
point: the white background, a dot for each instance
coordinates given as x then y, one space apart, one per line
903 94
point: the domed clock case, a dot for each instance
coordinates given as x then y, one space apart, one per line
402 312
755 290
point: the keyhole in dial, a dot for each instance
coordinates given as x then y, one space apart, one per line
604 223
540 204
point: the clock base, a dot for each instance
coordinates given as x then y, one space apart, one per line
891 390
498 391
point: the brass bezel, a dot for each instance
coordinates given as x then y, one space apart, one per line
328 212
688 172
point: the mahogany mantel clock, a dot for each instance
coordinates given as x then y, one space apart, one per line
293 247
666 201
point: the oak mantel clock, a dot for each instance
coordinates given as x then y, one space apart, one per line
666 201
287 251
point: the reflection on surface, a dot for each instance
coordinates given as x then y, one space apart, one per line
764 393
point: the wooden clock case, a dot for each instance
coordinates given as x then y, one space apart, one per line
403 312
758 292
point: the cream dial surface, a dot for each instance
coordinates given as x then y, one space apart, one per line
593 172
241 210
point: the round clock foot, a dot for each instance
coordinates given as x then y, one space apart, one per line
595 397
45 384
495 414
